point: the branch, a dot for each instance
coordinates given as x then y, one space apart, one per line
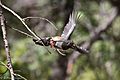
3 64
94 36
13 73
41 19
22 21
9 62
22 32
20 76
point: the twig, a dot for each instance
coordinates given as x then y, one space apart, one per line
9 62
41 19
3 64
22 32
14 73
20 76
22 20
15 14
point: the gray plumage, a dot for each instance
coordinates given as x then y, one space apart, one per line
68 29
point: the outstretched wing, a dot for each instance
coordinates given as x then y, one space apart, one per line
69 28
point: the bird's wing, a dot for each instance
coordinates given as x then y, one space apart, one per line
69 28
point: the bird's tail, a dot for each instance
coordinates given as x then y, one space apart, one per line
80 49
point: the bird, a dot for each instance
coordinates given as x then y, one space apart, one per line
63 41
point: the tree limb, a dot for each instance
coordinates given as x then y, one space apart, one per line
9 62
22 21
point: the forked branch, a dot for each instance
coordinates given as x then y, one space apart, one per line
22 21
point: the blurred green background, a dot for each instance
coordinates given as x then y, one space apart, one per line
34 62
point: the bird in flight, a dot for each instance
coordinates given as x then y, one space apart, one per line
62 42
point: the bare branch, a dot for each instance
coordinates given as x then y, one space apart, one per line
7 68
15 14
41 19
22 21
20 76
9 62
22 32
13 73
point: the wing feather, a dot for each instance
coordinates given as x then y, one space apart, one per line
69 28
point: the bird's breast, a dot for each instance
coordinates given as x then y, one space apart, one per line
56 38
